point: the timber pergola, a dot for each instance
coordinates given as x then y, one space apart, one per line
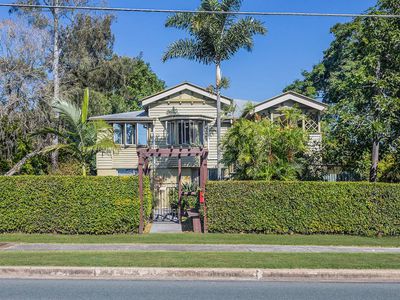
144 154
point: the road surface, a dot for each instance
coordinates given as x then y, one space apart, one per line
111 289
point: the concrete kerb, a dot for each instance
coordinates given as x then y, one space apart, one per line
121 273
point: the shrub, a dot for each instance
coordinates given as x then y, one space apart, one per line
71 204
358 208
266 150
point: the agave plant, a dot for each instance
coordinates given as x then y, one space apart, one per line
80 138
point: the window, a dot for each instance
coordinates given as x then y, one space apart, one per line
185 132
213 173
118 133
130 134
127 172
142 134
171 133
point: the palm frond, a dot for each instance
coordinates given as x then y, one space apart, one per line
50 130
179 21
231 5
102 145
69 112
185 48
102 126
58 147
240 35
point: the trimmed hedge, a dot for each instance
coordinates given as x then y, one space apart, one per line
71 204
357 208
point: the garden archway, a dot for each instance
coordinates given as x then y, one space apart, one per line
144 154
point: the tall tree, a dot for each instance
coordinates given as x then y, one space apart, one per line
23 79
360 76
52 22
214 38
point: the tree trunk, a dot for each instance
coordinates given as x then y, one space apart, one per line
56 60
19 164
217 88
374 162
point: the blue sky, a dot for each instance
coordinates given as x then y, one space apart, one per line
291 45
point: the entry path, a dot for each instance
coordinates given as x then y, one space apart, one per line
195 248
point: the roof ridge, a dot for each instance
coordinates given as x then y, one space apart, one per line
293 93
180 85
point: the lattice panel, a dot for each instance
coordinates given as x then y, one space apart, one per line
310 125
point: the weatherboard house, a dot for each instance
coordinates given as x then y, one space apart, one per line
184 116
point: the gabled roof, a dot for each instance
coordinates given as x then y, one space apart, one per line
182 87
290 95
139 115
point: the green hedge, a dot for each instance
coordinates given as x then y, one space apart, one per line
358 208
71 204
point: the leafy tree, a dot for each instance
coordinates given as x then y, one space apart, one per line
360 76
22 82
214 38
87 44
262 149
87 59
117 83
53 23
307 86
80 138
126 80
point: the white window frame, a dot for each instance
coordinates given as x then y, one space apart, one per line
122 133
134 136
124 138
188 130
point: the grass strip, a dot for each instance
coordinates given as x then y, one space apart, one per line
212 238
204 259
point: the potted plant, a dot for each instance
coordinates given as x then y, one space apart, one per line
190 201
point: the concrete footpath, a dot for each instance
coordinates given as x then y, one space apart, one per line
195 248
311 275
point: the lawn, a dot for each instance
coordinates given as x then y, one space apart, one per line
203 259
212 238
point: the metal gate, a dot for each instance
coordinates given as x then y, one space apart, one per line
163 212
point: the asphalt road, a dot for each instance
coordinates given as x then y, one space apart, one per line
108 289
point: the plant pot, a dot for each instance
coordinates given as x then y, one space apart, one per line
194 214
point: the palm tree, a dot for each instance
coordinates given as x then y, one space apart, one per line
79 138
214 38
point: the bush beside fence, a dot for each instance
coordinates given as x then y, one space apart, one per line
358 208
71 204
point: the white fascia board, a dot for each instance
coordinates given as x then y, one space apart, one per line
286 97
182 88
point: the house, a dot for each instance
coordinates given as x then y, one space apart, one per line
311 109
182 116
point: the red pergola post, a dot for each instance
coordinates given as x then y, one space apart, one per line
141 219
180 187
203 179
